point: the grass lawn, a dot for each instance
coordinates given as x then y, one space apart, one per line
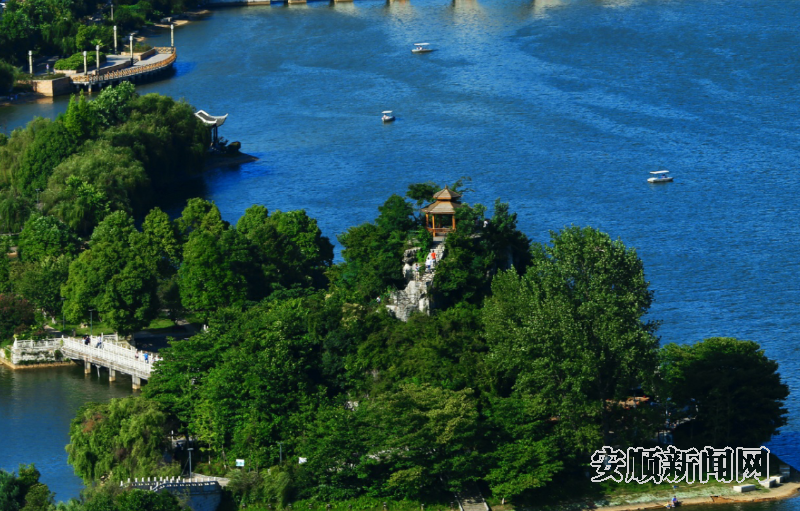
161 324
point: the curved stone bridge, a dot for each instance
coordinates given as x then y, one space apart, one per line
115 357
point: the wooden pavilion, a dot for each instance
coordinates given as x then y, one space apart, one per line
437 213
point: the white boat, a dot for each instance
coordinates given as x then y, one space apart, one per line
387 116
660 176
422 48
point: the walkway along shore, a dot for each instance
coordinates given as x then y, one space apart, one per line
784 491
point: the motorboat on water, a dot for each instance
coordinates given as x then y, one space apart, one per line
387 116
660 176
422 48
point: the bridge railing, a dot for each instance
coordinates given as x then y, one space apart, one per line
114 356
130 71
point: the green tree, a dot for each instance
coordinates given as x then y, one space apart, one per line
80 119
524 455
52 144
422 193
200 214
164 242
38 498
115 277
577 315
100 178
14 211
141 500
9 491
422 437
46 237
8 74
207 279
16 315
289 248
162 233
113 105
5 267
165 136
40 282
124 438
732 388
395 215
80 205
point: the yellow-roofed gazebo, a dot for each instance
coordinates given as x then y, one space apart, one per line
440 216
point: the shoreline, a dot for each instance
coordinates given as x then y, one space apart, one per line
216 161
782 492
22 367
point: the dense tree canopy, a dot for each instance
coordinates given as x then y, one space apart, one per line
577 317
731 387
98 157
126 436
524 365
116 277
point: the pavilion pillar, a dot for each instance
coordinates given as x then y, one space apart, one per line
433 220
454 222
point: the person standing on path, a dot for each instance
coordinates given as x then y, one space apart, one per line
433 259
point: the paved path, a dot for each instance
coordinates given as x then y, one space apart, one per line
161 61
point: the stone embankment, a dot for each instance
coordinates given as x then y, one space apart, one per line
201 493
416 296
30 354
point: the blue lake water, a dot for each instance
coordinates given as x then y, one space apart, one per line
559 107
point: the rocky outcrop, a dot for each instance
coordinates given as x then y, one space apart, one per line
416 296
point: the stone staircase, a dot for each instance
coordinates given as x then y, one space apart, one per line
416 295
471 501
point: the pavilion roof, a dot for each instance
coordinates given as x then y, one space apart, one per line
442 208
211 120
446 194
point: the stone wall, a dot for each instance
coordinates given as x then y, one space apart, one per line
55 87
145 54
28 353
201 493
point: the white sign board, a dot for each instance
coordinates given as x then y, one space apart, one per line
303 460
239 463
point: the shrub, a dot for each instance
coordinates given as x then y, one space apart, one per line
75 62
7 75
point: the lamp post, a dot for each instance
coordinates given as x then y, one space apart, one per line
115 40
85 64
38 190
190 449
280 446
131 49
91 319
172 34
97 48
30 61
112 11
